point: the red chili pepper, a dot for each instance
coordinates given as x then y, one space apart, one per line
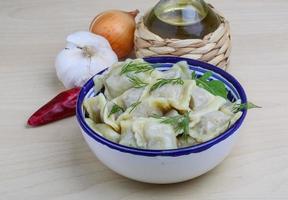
60 107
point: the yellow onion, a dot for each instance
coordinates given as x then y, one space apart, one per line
118 28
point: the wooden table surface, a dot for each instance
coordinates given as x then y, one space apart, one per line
53 162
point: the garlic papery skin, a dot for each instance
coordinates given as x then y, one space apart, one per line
84 55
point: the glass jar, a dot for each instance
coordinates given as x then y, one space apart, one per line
182 19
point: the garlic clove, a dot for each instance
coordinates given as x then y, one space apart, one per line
84 38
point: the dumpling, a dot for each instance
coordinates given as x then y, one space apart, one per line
177 95
146 108
94 106
134 106
215 105
147 133
116 84
211 125
125 105
127 135
104 130
186 142
151 134
200 98
98 83
179 70
111 112
131 96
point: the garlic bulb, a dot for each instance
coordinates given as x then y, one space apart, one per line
84 55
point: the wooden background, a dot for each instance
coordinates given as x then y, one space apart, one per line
53 162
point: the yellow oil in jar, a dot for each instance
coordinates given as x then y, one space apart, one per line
182 19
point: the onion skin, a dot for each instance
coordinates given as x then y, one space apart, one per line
118 28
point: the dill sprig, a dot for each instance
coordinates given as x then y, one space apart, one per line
136 67
136 81
115 109
134 105
161 82
243 106
215 87
180 123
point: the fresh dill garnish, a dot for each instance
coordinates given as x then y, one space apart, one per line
136 81
161 82
136 67
134 105
180 123
243 106
215 87
115 109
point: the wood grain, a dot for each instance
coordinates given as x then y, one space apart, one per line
53 162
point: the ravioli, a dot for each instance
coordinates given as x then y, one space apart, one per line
116 82
147 133
178 70
211 125
104 130
94 106
178 96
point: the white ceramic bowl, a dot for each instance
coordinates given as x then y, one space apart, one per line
165 166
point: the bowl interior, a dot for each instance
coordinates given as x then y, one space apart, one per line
235 92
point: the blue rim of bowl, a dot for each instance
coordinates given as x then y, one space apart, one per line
173 152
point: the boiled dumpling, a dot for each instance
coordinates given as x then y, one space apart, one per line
94 106
127 135
104 130
210 126
131 96
125 102
215 105
146 108
151 134
147 133
98 83
186 142
111 112
179 70
200 98
115 84
177 95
